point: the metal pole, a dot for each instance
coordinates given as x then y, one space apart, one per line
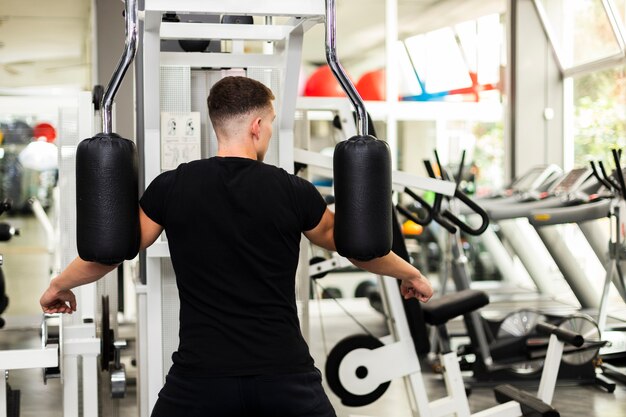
130 48
339 72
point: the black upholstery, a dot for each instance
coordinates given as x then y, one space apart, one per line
439 310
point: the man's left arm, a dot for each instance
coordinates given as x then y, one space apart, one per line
414 284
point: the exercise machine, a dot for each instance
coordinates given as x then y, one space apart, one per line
6 233
501 349
606 204
360 367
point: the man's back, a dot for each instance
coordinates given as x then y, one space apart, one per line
234 227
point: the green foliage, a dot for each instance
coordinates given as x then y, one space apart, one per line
489 155
600 115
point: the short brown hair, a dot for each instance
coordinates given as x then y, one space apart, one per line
236 96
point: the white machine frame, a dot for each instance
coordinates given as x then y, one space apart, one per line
285 55
79 330
398 359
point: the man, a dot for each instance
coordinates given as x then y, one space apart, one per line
233 226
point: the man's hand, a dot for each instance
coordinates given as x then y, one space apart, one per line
57 301
416 287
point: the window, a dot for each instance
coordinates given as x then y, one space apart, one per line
438 61
599 115
460 63
580 31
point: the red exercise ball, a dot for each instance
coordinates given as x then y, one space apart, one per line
372 85
46 130
322 83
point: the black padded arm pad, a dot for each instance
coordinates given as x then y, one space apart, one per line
107 199
362 181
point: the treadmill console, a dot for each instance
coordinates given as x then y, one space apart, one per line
571 181
534 178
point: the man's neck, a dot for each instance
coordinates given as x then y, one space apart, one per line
237 151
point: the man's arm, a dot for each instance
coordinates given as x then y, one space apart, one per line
80 272
414 284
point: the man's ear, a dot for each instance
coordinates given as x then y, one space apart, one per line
256 126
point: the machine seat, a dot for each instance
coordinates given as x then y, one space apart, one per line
449 306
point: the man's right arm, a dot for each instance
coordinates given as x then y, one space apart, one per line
414 284
80 272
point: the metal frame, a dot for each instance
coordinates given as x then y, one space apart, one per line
301 8
24 359
397 358
78 331
285 54
399 179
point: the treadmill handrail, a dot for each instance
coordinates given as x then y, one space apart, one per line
406 213
614 185
570 214
620 174
446 218
474 231
596 174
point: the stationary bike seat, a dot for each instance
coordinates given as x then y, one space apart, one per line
449 306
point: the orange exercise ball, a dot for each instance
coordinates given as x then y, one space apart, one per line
410 228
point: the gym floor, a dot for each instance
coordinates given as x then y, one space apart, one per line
26 271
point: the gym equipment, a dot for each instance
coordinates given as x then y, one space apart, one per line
106 177
371 85
47 357
362 174
322 83
501 349
6 232
110 353
52 334
189 45
18 132
609 203
365 288
97 94
280 27
360 367
45 130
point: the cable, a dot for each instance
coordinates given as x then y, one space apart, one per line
346 311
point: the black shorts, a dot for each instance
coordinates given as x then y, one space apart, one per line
290 395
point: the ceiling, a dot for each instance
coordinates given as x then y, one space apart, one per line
48 43
361 26
44 42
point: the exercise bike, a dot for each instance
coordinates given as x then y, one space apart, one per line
359 368
505 349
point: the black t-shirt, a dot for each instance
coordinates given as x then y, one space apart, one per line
233 226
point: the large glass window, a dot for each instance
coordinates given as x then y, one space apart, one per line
581 30
620 8
599 114
458 63
438 61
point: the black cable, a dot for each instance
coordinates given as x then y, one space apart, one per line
346 311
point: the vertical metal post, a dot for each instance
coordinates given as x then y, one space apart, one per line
3 393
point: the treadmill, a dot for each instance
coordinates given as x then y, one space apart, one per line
539 253
528 187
